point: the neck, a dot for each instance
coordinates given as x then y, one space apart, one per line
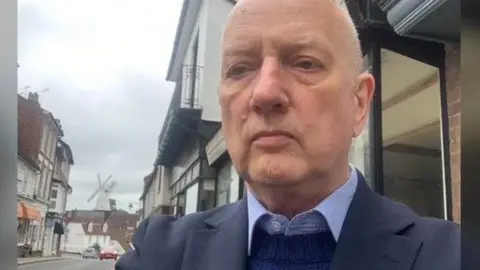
290 201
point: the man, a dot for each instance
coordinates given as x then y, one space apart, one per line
293 96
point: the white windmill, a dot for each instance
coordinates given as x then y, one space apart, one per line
103 194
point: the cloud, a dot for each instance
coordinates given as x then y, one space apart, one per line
104 63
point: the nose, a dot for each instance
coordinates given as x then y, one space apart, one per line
268 93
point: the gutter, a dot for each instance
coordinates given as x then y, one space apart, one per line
405 14
178 35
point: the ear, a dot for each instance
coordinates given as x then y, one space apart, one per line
363 100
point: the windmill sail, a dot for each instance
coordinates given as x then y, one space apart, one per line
102 194
103 202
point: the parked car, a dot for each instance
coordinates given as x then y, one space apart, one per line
89 253
108 253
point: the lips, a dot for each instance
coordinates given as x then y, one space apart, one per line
271 137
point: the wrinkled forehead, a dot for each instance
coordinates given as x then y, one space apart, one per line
252 20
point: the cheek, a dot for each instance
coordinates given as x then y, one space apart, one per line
232 122
325 120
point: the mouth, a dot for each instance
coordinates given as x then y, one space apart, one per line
271 139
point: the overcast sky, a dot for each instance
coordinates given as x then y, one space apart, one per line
104 63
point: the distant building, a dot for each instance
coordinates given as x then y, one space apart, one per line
30 210
60 189
85 228
43 169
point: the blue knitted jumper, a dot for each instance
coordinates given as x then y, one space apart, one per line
292 252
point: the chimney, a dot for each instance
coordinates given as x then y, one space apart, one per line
33 96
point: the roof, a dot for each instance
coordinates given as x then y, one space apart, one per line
68 151
121 225
186 23
55 121
115 220
147 182
185 14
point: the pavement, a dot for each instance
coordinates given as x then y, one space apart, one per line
66 263
29 260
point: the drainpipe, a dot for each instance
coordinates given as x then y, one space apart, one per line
44 234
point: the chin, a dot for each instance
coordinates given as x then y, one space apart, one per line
277 170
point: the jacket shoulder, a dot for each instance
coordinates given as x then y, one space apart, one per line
178 226
427 228
441 244
440 248
162 238
440 239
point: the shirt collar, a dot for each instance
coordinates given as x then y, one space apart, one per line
334 208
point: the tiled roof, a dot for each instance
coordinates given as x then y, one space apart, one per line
120 224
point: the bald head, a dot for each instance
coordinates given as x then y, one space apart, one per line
345 25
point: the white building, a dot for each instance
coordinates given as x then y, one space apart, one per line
43 163
108 229
51 133
184 182
60 189
156 193
61 179
30 218
32 174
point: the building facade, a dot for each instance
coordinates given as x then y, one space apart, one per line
185 181
28 215
412 152
59 191
52 132
30 209
43 163
107 229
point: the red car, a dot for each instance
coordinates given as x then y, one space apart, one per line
107 254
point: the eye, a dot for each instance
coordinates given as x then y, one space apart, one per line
237 71
307 64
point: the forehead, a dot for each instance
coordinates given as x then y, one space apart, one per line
300 21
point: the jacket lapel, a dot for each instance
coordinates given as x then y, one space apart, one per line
222 244
373 235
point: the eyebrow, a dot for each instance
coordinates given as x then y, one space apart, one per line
303 43
242 49
252 48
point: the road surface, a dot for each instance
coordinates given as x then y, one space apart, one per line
70 264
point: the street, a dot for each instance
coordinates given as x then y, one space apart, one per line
70 264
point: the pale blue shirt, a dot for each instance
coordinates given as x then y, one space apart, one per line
330 212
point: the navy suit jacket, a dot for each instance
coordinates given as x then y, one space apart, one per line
378 234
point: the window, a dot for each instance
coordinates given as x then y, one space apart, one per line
191 199
192 94
159 179
54 194
48 181
228 185
44 137
47 142
20 173
53 147
53 204
223 184
413 172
